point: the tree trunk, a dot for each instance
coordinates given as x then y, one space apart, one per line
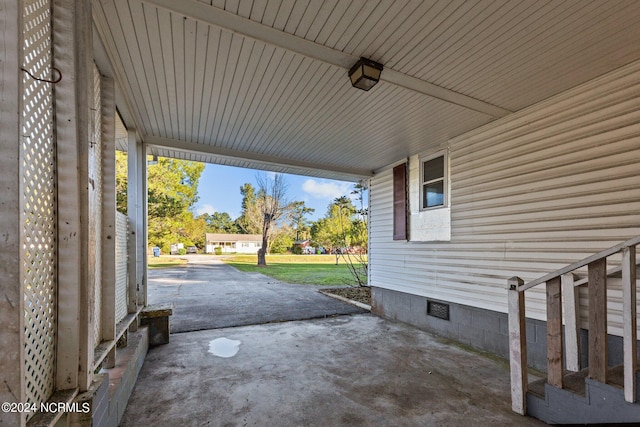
262 259
262 252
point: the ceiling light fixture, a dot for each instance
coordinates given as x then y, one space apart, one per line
365 74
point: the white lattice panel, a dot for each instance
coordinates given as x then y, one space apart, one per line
38 204
121 266
95 204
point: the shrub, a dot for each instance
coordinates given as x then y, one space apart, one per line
217 250
182 251
297 250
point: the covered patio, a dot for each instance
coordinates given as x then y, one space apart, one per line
357 370
531 108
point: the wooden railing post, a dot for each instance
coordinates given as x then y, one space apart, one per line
629 314
517 346
598 348
554 333
571 322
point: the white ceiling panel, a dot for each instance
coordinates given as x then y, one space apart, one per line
236 81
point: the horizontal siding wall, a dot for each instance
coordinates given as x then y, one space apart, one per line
530 193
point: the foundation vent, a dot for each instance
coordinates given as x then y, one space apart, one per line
438 309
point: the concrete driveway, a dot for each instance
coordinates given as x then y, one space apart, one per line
356 370
208 294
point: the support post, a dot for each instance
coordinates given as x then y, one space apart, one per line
143 199
108 251
132 213
72 55
12 367
517 346
571 321
554 333
598 348
629 316
137 214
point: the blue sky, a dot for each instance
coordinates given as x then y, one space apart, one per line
219 190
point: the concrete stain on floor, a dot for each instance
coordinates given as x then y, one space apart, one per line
224 347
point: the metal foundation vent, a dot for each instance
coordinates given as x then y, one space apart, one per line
438 309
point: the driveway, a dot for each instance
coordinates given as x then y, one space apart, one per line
208 294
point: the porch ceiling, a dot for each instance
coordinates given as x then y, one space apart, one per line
264 84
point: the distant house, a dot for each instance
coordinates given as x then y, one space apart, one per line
241 243
304 245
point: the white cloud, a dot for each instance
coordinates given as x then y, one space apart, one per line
326 189
206 209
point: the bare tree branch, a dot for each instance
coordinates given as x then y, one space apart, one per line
274 203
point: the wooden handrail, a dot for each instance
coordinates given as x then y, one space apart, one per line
578 264
562 285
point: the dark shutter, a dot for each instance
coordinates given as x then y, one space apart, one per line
400 202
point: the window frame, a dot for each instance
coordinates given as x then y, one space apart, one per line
445 179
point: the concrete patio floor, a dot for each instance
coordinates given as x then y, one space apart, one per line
357 370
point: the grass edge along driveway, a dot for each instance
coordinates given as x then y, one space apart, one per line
299 269
164 261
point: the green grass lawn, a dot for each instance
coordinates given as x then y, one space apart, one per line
164 261
302 269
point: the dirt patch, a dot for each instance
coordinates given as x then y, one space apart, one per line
360 294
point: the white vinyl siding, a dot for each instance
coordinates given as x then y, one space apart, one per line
530 193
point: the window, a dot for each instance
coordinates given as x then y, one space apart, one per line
433 172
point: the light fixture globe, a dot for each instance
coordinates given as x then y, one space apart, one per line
365 74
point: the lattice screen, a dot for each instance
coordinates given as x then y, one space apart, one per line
121 266
38 204
95 203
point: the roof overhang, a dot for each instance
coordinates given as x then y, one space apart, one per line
252 85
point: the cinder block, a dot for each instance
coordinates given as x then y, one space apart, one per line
537 355
504 325
485 320
471 335
541 332
156 317
460 315
442 327
496 343
531 332
418 310
97 398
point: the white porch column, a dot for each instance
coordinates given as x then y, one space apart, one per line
137 213
73 56
12 376
108 251
142 261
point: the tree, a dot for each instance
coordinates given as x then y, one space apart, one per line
298 221
220 222
343 230
121 182
359 228
273 204
332 231
250 219
358 262
172 192
281 241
